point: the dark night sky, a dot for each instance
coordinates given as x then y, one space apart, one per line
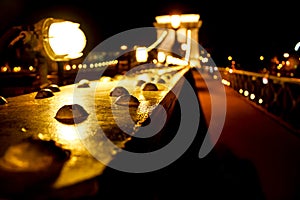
244 29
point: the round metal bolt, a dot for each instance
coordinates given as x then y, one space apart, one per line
118 91
127 100
71 114
149 87
44 93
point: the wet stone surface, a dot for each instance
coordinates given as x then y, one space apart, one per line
28 117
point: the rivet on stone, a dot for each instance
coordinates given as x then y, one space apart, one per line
71 114
118 91
140 82
44 93
84 83
54 88
127 100
149 87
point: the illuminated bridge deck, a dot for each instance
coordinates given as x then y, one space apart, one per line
255 157
25 116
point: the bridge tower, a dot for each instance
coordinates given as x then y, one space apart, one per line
181 35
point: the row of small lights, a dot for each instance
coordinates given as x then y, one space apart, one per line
246 92
67 67
90 66
16 69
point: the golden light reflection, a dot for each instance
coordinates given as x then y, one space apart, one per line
67 133
67 67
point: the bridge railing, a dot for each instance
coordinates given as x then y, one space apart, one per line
278 95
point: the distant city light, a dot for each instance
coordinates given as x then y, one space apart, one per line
252 96
175 21
185 18
123 47
265 80
297 46
161 56
141 54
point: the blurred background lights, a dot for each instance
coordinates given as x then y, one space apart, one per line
297 46
175 21
141 54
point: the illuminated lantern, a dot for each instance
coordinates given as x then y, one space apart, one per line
175 21
161 56
141 54
62 40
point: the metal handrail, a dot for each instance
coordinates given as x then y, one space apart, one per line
278 95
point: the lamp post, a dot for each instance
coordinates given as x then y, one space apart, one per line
62 41
175 23
141 54
49 40
188 25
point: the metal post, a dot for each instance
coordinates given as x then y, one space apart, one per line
60 73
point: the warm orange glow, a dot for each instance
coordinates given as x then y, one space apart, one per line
17 69
175 21
175 61
286 55
141 54
4 69
161 56
62 40
123 47
184 18
66 38
67 67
